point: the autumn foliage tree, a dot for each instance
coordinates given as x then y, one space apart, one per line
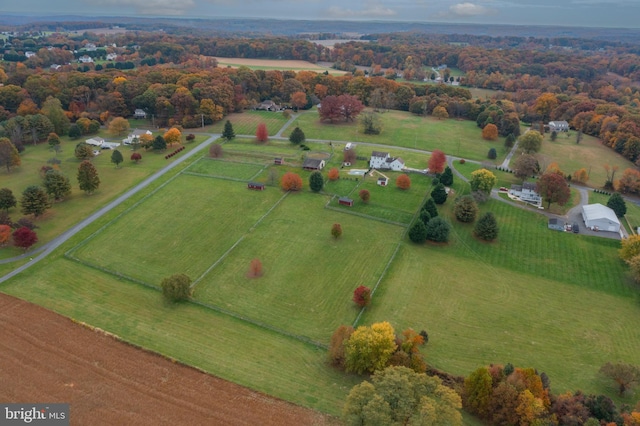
337 345
35 201
336 230
9 156
255 269
334 174
172 136
88 177
136 157
525 166
440 112
215 150
490 132
625 376
482 180
5 234
262 135
369 348
553 188
119 127
362 296
580 175
340 108
531 141
24 238
291 182
403 182
437 161
364 195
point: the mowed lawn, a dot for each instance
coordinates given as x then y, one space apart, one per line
246 123
183 228
219 344
218 168
461 138
309 277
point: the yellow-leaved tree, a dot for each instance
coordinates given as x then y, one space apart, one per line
483 180
369 348
172 136
630 248
119 126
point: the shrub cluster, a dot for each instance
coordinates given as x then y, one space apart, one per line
166 157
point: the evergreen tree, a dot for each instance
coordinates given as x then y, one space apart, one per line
88 177
159 143
56 184
7 199
509 141
74 131
83 151
430 206
466 209
34 201
492 154
425 217
446 178
487 227
316 181
617 204
228 132
297 136
438 230
9 156
439 194
116 158
418 232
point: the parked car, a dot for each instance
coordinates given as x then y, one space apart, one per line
575 228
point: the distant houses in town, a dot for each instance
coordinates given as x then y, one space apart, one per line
527 193
558 126
384 161
85 59
598 217
139 113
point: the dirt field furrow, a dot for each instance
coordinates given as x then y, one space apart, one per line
45 357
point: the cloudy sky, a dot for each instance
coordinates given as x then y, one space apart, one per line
601 13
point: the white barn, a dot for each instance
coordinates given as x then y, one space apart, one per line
602 218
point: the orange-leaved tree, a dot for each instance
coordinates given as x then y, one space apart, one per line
490 132
437 161
172 136
255 269
291 182
365 195
334 174
5 234
403 182
262 135
336 230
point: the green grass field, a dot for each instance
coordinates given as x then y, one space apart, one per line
218 168
454 137
246 123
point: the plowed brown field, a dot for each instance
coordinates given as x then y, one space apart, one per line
46 358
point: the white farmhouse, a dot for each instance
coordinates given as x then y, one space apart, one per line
527 193
382 160
136 133
558 126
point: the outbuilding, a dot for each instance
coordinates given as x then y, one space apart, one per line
345 201
600 218
555 224
256 186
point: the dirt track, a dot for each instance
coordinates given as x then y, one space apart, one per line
45 357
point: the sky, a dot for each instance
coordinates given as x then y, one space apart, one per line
584 13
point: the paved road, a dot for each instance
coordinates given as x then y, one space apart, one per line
505 163
47 248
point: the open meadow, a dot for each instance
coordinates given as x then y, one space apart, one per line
246 123
275 65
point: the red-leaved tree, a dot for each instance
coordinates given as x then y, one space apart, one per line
136 157
336 230
437 161
291 182
403 182
24 238
343 108
362 296
365 195
255 269
262 135
334 174
553 188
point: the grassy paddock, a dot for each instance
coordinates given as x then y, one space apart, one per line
246 123
217 168
455 137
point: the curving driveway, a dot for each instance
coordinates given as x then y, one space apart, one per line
47 248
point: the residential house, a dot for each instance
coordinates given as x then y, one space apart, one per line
95 141
527 193
136 133
85 59
313 164
111 56
268 105
90 47
139 113
558 126
29 54
382 160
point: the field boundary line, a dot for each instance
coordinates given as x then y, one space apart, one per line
224 256
365 216
202 175
110 272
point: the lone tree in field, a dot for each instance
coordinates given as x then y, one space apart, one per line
439 194
371 123
626 376
116 158
297 136
176 287
215 150
7 199
492 154
465 209
553 188
83 151
490 132
531 141
617 204
24 238
9 156
262 135
56 184
438 230
136 157
316 181
228 132
54 142
334 174
403 182
34 201
487 227
418 232
88 177
364 195
255 269
362 296
336 230
291 182
437 161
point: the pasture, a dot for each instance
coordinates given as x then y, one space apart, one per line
246 123
275 65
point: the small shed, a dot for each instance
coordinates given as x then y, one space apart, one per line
256 186
313 164
555 224
278 161
345 201
383 181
